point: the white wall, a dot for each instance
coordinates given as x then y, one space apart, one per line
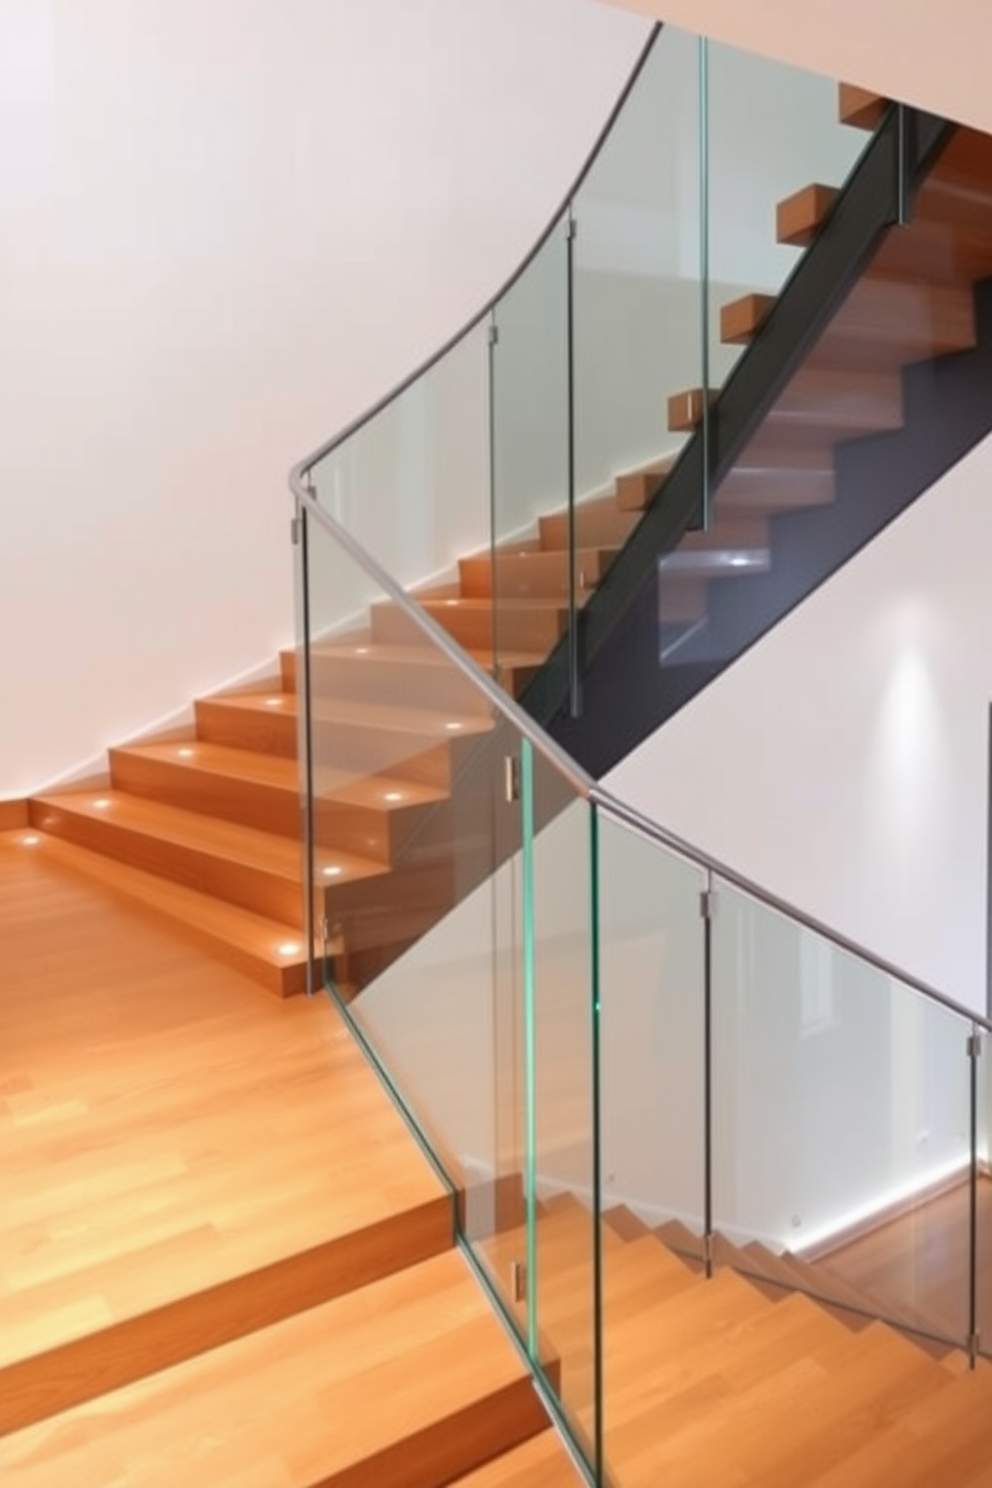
226 227
842 762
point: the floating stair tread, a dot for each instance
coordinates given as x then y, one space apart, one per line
685 409
740 320
248 941
860 107
541 1462
408 1381
798 218
365 650
634 489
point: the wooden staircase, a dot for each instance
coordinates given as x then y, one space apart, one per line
204 824
738 1380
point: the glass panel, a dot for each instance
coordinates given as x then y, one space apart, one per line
564 1279
412 485
983 1248
528 573
418 875
841 1120
771 130
636 292
652 1115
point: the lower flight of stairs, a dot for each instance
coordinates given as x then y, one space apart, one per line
738 1381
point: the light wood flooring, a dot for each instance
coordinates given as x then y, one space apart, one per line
223 1259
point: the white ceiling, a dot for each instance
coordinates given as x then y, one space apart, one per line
938 56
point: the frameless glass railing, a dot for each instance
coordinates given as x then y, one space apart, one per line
638 1072
499 484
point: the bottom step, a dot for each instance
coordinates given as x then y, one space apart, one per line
409 1382
272 954
541 1462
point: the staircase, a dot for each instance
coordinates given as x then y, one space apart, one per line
204 824
741 1379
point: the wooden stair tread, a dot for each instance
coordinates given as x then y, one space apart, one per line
741 319
391 717
250 942
541 1462
860 107
532 573
425 1340
798 218
234 843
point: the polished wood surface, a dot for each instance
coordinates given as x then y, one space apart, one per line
725 1381
408 1381
798 218
541 1462
13 814
259 871
741 320
182 1157
860 107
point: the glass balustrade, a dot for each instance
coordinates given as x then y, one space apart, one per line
638 1074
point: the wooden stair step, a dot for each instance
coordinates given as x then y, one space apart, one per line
272 954
541 1462
532 573
258 871
625 1223
741 320
357 667
635 489
685 409
763 485
945 1439
798 218
854 1383
682 1241
257 790
860 107
887 322
838 402
424 1340
599 521
524 624
408 743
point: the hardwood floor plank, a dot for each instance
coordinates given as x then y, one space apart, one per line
182 1157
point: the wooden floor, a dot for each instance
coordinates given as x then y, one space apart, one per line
167 1130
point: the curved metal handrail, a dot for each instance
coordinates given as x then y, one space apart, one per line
304 466
589 789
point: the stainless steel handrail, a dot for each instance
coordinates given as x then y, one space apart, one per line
589 789
305 465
